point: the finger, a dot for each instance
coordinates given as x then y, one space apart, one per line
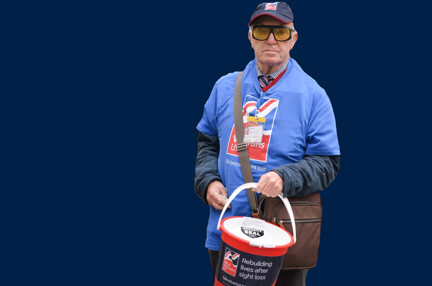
224 199
218 201
264 190
223 193
272 194
219 205
260 188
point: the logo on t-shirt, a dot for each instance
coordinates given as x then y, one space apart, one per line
257 151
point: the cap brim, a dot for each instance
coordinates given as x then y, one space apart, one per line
274 16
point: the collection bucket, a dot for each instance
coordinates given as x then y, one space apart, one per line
252 250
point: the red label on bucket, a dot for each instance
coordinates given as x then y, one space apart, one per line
230 262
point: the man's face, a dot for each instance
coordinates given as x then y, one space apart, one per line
271 53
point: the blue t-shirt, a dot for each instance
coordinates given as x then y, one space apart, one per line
299 121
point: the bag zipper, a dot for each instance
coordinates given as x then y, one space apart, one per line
302 220
305 203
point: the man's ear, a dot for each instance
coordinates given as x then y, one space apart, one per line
250 38
294 40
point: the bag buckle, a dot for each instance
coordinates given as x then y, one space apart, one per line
255 214
241 147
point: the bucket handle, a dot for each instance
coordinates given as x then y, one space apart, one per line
254 185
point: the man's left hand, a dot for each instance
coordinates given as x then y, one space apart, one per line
270 184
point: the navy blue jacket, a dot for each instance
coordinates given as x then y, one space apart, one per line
311 174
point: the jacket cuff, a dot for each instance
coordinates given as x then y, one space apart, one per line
287 177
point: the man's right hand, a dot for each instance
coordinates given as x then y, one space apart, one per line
217 195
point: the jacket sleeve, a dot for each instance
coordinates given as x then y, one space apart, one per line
311 174
206 168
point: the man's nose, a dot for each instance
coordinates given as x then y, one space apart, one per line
271 39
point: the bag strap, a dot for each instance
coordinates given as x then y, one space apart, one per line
241 146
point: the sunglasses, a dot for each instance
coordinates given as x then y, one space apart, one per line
280 33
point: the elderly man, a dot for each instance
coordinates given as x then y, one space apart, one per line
295 153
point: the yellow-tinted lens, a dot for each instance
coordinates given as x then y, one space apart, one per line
261 33
281 34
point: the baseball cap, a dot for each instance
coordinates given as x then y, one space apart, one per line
278 10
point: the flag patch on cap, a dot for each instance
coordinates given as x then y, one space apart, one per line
270 6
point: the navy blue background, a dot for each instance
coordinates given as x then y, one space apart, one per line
101 106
